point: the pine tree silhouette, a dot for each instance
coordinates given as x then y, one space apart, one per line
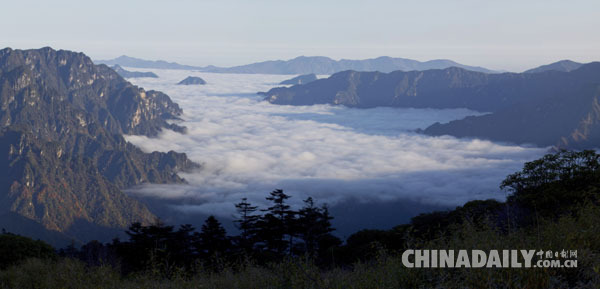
277 224
315 229
213 238
246 223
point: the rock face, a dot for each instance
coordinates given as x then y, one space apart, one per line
547 108
65 160
301 79
132 74
192 80
563 65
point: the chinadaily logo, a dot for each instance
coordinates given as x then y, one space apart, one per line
489 259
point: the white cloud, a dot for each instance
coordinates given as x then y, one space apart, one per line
249 147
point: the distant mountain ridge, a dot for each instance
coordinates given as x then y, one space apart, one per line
550 108
563 65
325 65
127 61
65 160
132 74
304 65
300 79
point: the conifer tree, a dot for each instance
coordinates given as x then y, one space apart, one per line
276 226
246 223
213 238
314 227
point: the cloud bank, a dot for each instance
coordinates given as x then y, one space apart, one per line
248 147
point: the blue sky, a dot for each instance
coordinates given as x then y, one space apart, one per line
509 35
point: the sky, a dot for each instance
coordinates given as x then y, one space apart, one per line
503 35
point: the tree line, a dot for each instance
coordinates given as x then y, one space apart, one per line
265 235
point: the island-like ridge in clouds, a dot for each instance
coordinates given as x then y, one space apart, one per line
192 80
545 109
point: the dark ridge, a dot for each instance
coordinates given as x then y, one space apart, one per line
548 108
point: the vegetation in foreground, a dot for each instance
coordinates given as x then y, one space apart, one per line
553 205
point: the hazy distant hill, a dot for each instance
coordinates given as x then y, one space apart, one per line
132 74
551 108
300 79
192 80
325 65
65 159
303 65
563 65
141 63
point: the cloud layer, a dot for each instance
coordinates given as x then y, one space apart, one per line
249 147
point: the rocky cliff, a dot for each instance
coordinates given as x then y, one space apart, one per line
65 160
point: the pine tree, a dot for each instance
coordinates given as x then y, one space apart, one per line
277 224
315 228
213 238
183 248
246 224
147 246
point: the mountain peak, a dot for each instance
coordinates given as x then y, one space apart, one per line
562 65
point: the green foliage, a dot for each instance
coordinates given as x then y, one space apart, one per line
553 184
157 247
384 270
15 249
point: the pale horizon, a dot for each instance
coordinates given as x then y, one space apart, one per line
508 35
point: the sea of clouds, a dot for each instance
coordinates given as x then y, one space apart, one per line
248 147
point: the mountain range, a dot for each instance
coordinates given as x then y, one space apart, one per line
547 108
303 65
66 162
325 65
